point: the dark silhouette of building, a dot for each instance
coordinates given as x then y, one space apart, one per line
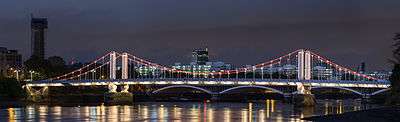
361 68
9 59
38 31
200 56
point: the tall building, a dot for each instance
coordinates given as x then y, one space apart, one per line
201 65
200 56
38 31
9 59
361 68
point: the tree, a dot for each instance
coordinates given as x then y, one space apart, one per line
38 65
56 61
394 98
56 66
51 67
10 88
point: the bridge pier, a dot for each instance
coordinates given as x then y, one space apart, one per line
114 97
303 100
37 95
215 97
125 88
287 97
366 96
303 97
112 88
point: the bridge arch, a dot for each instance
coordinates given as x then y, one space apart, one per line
261 87
380 91
182 86
342 88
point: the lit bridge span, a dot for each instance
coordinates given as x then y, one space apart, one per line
283 75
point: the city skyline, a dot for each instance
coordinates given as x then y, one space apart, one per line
191 60
239 40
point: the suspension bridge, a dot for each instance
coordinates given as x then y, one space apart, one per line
283 75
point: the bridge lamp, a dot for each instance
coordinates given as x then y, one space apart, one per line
17 73
93 71
254 72
245 73
31 72
262 72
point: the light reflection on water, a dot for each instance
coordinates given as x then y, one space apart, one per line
270 110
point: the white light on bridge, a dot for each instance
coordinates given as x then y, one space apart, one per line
145 82
210 82
161 82
177 82
227 82
193 82
244 83
278 83
262 83
292 83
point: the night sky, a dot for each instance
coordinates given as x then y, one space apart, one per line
235 31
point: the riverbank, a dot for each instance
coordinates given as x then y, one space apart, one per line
384 114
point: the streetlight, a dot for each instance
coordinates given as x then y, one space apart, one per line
262 73
17 72
31 74
254 72
245 73
93 75
237 74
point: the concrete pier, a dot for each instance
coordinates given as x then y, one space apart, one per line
303 100
118 98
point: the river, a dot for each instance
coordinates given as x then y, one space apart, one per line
268 110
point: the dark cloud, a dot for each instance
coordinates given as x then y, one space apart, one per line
239 32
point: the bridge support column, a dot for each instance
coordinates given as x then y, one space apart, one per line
303 97
125 88
112 88
114 97
366 96
287 98
214 97
113 65
37 95
124 66
304 65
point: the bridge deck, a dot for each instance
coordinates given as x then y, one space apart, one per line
225 81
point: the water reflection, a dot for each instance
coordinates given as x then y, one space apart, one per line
227 115
176 114
11 114
268 110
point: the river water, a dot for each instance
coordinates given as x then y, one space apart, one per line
268 110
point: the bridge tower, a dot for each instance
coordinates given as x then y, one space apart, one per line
113 65
304 65
125 71
124 66
303 96
304 71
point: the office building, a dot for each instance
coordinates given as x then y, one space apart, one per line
38 36
200 56
9 59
